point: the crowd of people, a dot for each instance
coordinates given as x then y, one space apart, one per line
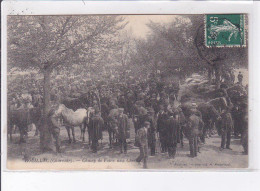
158 117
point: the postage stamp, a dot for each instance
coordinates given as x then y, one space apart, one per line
225 30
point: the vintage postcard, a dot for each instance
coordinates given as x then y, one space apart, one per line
102 92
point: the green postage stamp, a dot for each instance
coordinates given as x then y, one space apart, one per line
225 30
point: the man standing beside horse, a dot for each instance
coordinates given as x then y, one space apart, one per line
172 134
123 130
227 127
54 125
162 127
195 126
151 131
142 140
95 130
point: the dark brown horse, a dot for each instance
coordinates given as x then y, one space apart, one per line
210 116
22 118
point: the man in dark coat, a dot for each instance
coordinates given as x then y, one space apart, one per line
151 131
244 137
162 127
227 127
104 113
237 119
123 130
96 126
172 134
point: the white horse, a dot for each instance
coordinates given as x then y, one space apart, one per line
73 119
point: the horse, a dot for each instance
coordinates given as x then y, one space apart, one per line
73 103
73 119
36 114
22 118
210 115
112 125
76 103
219 103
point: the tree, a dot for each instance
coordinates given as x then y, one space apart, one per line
48 42
178 48
125 48
219 61
169 48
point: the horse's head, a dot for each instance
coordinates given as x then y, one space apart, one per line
60 109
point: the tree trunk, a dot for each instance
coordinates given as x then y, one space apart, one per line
45 137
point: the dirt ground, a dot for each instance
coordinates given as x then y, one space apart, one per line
80 152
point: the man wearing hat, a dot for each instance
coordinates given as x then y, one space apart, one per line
151 131
95 130
194 111
172 134
142 140
244 136
123 130
227 127
54 128
162 127
195 126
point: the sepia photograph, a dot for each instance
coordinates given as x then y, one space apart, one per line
127 92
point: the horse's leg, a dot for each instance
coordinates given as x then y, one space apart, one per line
21 135
73 134
10 132
210 128
89 136
83 134
114 138
68 131
181 136
16 129
110 139
36 130
81 131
